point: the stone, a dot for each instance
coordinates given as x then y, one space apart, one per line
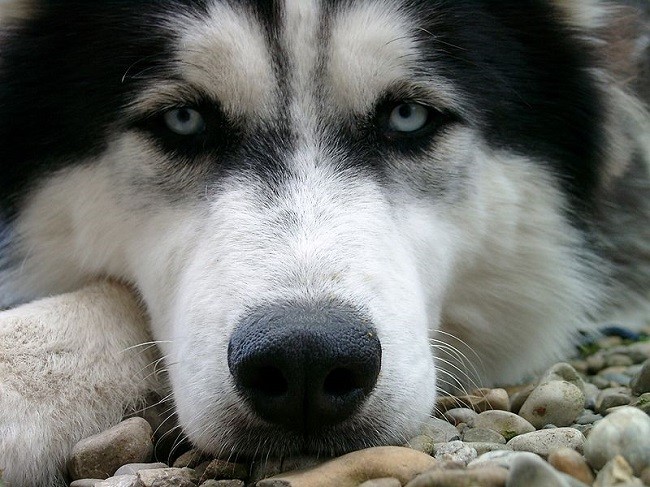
455 451
223 483
502 458
100 455
532 471
489 476
618 360
588 417
440 431
460 415
83 482
479 400
190 459
483 435
617 472
571 463
384 482
641 381
357 467
643 403
558 399
518 398
167 477
134 468
222 469
505 423
422 443
544 441
119 481
625 432
612 397
482 447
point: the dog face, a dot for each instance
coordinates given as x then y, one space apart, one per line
309 196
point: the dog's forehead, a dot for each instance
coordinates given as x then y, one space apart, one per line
351 51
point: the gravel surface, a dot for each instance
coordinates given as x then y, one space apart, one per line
584 422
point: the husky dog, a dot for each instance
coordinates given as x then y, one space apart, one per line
324 205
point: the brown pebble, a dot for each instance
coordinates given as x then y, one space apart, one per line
357 467
485 477
190 459
572 463
223 483
100 455
222 470
479 400
178 477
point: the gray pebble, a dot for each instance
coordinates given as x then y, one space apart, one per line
557 402
223 483
422 443
588 417
625 432
440 431
460 415
613 400
599 381
84 482
482 447
501 458
455 451
643 403
617 472
505 423
618 360
532 471
483 435
134 468
544 441
176 477
641 381
120 481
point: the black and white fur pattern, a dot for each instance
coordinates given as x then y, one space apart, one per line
500 230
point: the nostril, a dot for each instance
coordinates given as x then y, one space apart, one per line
268 381
340 382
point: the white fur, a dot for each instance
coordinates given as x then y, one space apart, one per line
70 366
492 261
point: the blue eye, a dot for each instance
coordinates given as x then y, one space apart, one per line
408 117
184 121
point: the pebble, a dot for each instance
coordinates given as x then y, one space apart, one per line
588 417
483 435
641 381
501 458
543 442
558 399
456 416
479 400
571 463
222 469
455 451
505 423
223 483
100 455
134 468
84 482
625 432
482 447
612 400
617 472
354 468
440 431
532 471
484 477
119 481
167 477
190 459
422 443
642 403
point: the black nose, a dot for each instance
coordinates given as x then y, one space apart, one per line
305 367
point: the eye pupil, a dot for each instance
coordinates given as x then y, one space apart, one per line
405 110
184 121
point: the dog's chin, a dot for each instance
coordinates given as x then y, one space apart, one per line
259 441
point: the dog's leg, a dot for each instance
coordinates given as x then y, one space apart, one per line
69 367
